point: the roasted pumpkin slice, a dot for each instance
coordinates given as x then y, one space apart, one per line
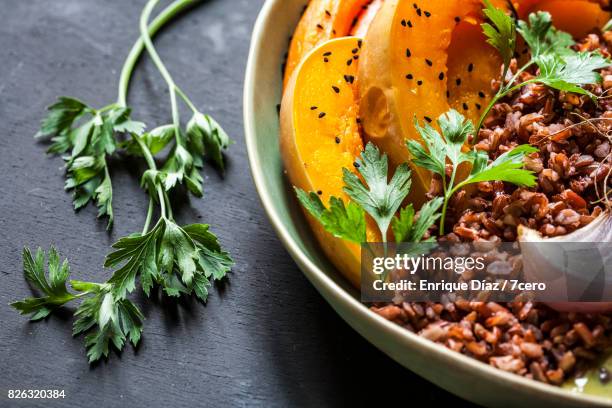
577 17
419 59
470 71
322 20
320 135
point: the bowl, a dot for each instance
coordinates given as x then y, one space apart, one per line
461 375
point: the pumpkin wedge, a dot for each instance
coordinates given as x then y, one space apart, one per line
420 59
322 20
320 136
577 17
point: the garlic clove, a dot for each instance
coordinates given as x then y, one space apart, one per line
540 264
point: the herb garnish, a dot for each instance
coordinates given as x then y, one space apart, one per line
179 260
448 147
378 197
560 67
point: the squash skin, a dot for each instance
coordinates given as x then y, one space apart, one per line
366 18
565 14
312 154
404 73
322 20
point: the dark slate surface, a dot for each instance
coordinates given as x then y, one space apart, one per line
268 339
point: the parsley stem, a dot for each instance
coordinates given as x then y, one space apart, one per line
162 195
484 116
104 109
150 210
128 67
186 99
148 156
505 89
168 205
447 197
501 94
162 201
161 67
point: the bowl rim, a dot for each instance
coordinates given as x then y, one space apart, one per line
315 274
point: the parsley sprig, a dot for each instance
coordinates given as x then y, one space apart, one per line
560 67
86 137
440 149
375 195
179 260
105 318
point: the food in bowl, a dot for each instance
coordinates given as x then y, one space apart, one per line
441 123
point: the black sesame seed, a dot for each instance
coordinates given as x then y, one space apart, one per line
427 14
415 5
419 12
355 50
325 59
419 82
319 192
457 19
428 119
458 81
349 78
465 106
336 89
358 120
334 32
408 53
441 76
481 94
355 57
478 106
470 67
327 54
447 94
319 26
428 62
359 43
409 23
409 76
314 107
337 140
349 62
356 165
328 13
322 115
404 23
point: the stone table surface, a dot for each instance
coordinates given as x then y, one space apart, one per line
267 338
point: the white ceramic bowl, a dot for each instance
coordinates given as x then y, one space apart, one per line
452 371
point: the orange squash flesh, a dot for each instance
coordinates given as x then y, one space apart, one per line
411 58
470 71
322 20
320 136
577 17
